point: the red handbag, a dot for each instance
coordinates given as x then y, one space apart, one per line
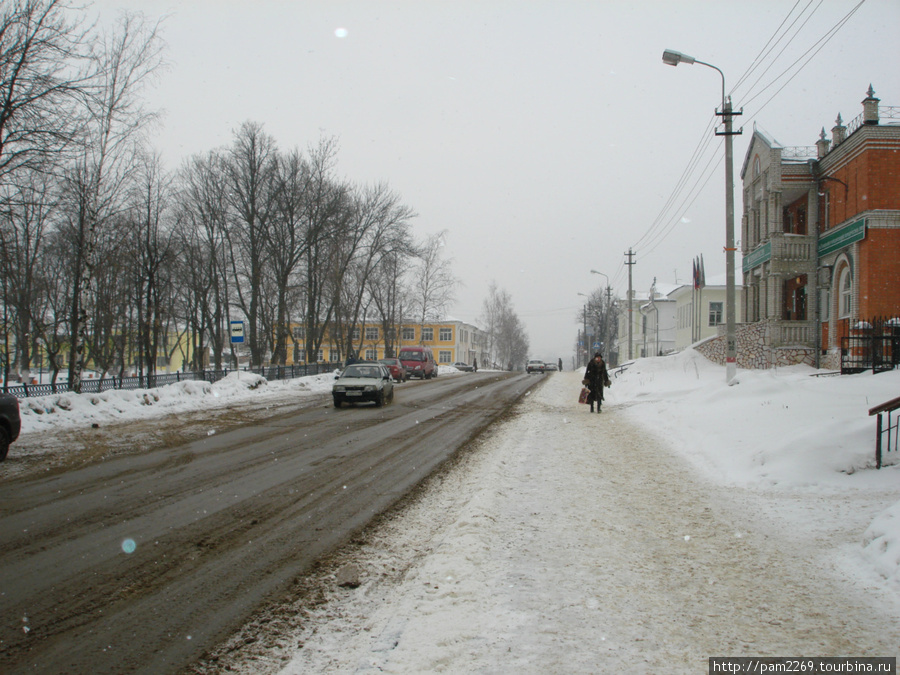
583 397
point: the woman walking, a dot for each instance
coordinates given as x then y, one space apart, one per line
595 378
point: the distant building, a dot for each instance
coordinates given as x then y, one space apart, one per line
699 312
450 341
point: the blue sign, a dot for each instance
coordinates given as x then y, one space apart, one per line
237 331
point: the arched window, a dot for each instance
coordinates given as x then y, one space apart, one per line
756 167
845 286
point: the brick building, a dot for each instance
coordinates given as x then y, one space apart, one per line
820 239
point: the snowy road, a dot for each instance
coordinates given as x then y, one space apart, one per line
142 561
571 542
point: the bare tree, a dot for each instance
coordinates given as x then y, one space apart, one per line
24 226
507 339
434 284
42 52
152 253
378 228
287 243
390 295
202 231
250 172
327 210
124 62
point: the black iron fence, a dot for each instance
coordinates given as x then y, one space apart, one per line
886 435
97 385
872 345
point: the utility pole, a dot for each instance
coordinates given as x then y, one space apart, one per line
730 337
630 262
673 58
584 336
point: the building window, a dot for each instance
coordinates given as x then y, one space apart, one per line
299 332
427 334
446 334
371 332
715 313
320 356
445 357
846 290
354 334
825 305
334 356
408 334
371 355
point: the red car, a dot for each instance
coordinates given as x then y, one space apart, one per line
398 370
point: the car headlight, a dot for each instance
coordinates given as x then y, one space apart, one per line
370 387
340 388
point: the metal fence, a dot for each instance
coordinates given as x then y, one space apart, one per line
886 435
872 345
97 385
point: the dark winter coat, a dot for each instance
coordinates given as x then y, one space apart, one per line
595 378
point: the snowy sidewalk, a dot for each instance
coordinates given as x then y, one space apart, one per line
574 543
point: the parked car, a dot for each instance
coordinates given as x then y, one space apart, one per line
550 367
465 367
10 422
419 362
367 381
535 366
398 370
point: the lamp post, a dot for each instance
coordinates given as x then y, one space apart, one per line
673 58
606 330
584 328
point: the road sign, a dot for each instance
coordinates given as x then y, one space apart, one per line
237 331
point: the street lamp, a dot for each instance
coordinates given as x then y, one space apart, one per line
673 58
606 330
602 275
584 327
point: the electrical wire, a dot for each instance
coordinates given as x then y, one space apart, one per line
663 225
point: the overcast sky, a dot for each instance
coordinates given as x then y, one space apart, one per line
545 136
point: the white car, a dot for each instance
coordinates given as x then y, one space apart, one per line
363 382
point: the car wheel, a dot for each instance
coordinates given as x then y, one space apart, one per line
337 402
4 443
379 399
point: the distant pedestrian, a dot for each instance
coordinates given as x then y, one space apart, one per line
351 359
595 378
475 365
560 365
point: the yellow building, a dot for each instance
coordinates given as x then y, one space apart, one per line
451 341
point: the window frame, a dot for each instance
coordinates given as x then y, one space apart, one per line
845 293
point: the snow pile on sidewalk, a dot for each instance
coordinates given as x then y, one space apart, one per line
71 411
781 429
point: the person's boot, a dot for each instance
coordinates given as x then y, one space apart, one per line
592 407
